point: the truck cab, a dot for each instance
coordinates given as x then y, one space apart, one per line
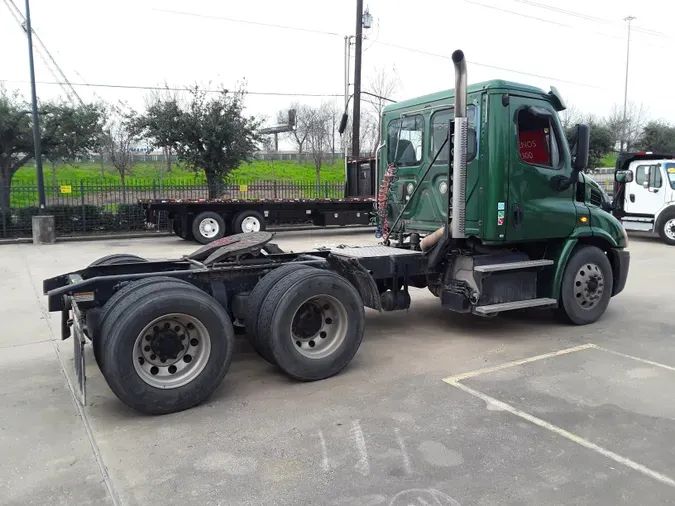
645 193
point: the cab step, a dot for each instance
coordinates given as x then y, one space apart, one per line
511 306
512 266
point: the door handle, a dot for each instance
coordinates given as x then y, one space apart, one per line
517 215
632 197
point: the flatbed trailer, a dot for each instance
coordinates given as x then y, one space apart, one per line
508 222
206 220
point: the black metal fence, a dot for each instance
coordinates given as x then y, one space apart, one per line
104 207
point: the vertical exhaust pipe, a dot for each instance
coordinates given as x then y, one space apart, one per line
460 148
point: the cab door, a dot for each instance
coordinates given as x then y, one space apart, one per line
538 157
645 194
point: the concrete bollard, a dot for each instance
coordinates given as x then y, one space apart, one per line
44 231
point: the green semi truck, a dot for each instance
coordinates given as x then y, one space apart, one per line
481 200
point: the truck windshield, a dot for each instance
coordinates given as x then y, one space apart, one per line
670 170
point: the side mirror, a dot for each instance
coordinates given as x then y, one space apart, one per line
623 176
582 140
343 123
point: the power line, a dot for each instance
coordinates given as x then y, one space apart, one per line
543 20
245 21
588 17
166 88
478 64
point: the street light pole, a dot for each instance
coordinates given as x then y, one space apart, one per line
356 120
624 140
36 123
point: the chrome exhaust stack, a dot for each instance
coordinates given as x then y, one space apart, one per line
460 148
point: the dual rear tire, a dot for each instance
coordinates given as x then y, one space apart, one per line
307 321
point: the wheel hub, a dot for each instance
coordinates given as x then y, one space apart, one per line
307 321
669 229
166 344
319 327
589 286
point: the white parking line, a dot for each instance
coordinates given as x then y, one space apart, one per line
566 434
643 360
507 365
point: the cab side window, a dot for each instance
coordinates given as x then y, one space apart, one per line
440 122
651 173
538 139
405 140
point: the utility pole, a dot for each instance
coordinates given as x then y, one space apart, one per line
358 40
36 122
624 140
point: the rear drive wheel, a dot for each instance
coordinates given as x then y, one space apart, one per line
96 323
207 227
118 259
313 321
255 303
248 221
666 227
166 350
586 286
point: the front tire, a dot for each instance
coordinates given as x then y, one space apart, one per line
313 321
666 227
166 350
586 286
208 227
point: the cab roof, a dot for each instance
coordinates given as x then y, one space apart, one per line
495 84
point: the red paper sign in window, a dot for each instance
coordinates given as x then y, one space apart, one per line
532 147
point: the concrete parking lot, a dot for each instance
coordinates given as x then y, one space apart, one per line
436 409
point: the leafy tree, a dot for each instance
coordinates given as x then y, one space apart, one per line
208 133
67 132
120 135
658 136
601 140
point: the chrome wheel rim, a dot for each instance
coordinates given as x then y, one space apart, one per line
319 327
171 351
589 286
669 229
209 227
250 224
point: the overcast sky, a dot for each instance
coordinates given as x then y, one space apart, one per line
136 42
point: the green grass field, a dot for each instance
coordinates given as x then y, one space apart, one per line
280 171
608 161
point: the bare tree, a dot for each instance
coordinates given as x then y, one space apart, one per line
320 124
626 134
120 136
385 84
298 136
570 117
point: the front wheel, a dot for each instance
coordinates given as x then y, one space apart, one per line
586 286
666 228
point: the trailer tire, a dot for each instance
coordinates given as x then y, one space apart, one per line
248 221
199 352
586 286
666 227
313 321
208 227
118 259
96 325
255 303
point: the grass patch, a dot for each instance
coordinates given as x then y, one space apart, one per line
608 160
142 172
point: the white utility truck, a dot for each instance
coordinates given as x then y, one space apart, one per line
644 193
